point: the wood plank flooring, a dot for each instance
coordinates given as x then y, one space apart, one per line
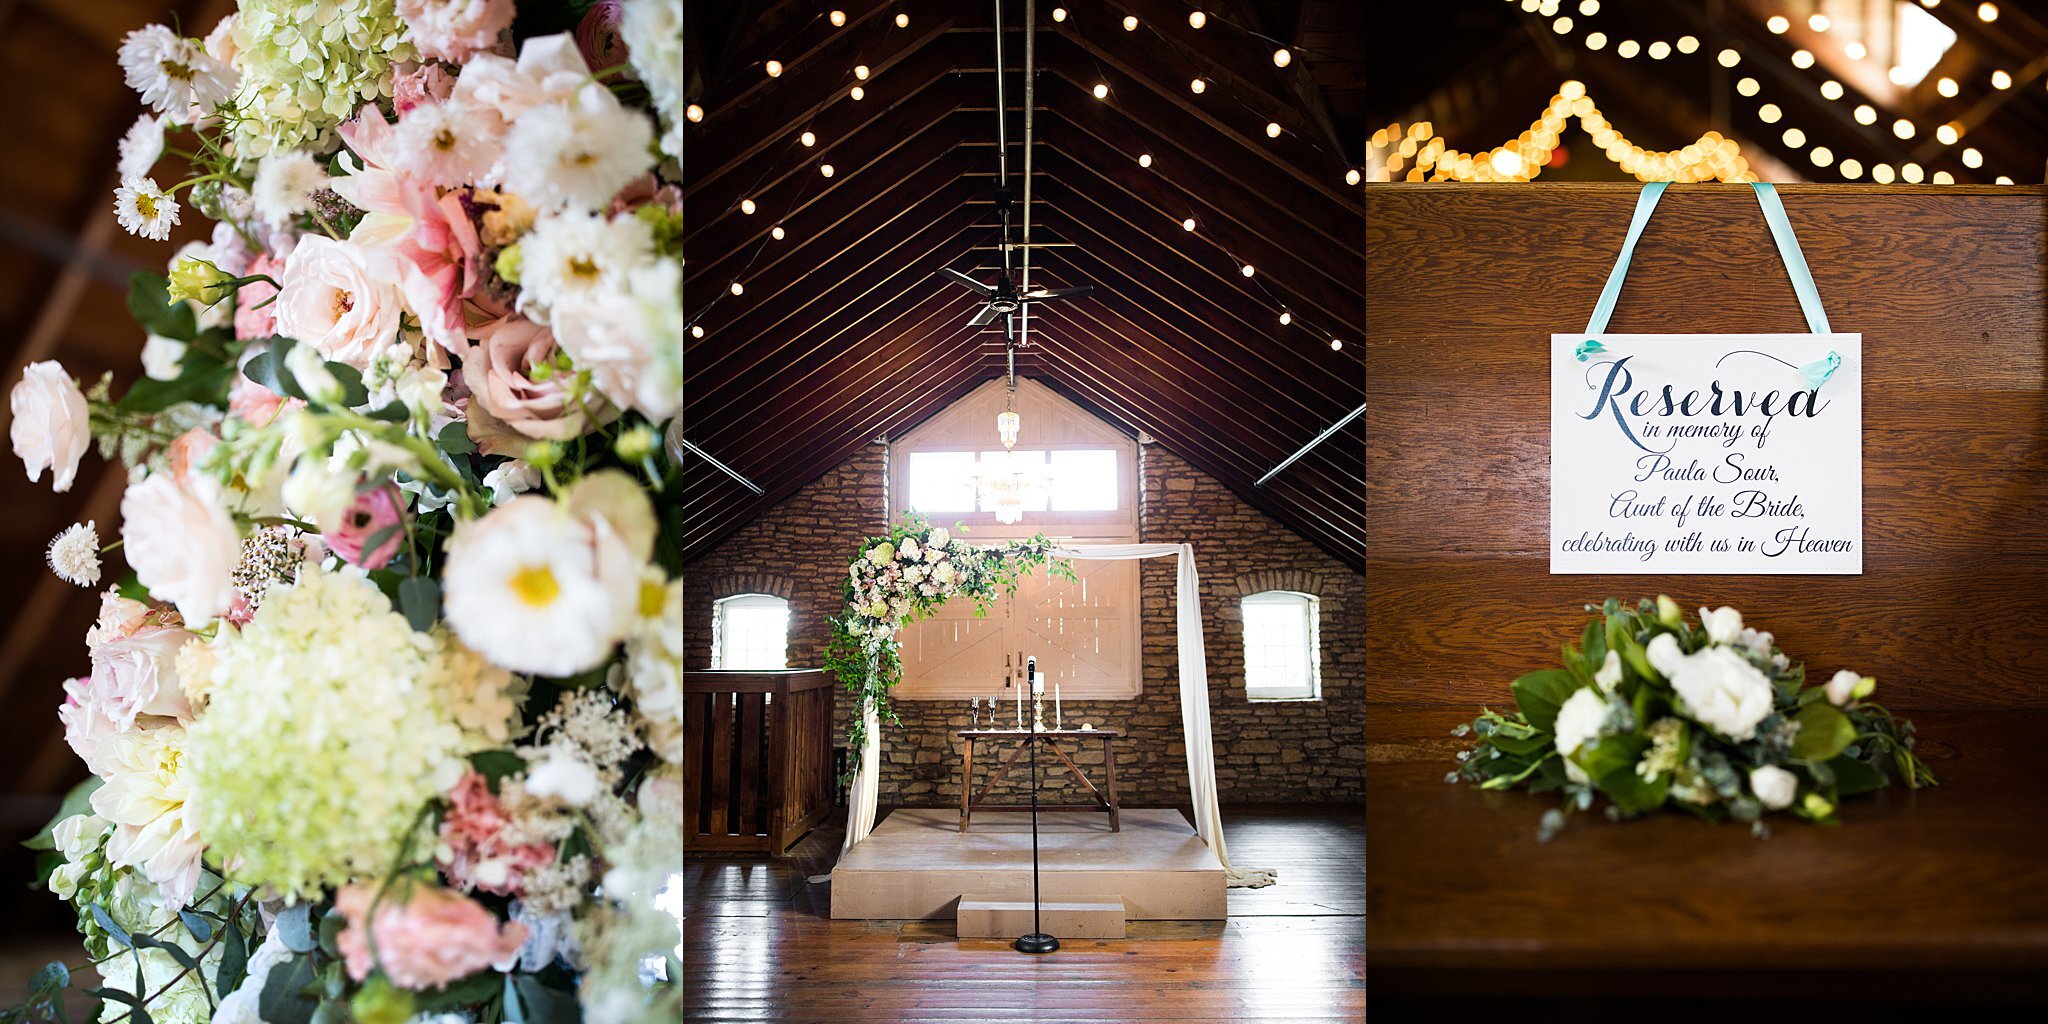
760 946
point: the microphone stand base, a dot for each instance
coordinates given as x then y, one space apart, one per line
1036 942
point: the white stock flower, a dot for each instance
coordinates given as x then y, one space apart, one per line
173 73
284 186
1723 691
1723 624
1774 786
1609 675
578 154
311 372
161 356
52 424
144 210
75 555
182 544
512 477
142 147
1842 688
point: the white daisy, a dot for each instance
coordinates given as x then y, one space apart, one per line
446 144
75 555
142 147
524 590
143 209
572 256
577 155
173 73
284 186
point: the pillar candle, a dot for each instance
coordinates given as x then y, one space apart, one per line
1020 707
1056 719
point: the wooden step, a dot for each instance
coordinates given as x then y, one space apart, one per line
988 916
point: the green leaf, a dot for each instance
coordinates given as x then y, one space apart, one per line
1633 654
466 992
1631 792
544 1005
454 439
149 301
353 393
78 801
283 1000
332 1011
496 764
268 369
1594 643
234 959
113 927
1853 776
396 412
199 927
172 949
1520 745
1540 694
1823 732
419 597
199 380
331 924
295 928
1603 756
115 994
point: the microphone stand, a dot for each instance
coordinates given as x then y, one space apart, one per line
1037 941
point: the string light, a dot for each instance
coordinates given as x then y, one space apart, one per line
774 69
1351 177
1794 138
1188 224
1272 129
1688 44
1831 89
738 288
1659 50
1197 86
825 169
808 140
747 207
1101 90
1913 174
1130 23
1897 75
1059 14
2003 180
1972 159
1144 159
1769 113
1561 26
903 21
1282 58
1947 87
1728 58
694 112
1883 174
1903 128
1589 7
1866 114
1197 19
1336 345
860 71
1822 156
1948 133
776 232
1247 270
1777 25
696 331
838 19
1747 87
1944 178
1851 169
2001 80
1286 318
1802 59
858 94
1596 40
1627 49
1987 12
1855 51
1819 22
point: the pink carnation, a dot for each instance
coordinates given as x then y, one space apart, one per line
374 512
251 322
456 30
426 937
473 833
414 84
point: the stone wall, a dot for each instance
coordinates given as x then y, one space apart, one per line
1283 751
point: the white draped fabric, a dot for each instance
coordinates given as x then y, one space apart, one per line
1194 712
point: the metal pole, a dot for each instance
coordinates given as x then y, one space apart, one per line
1320 438
1030 76
720 466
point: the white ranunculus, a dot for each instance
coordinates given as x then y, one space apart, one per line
333 302
1579 720
52 425
1723 624
161 356
1665 654
1774 786
1609 675
1842 688
1723 691
182 543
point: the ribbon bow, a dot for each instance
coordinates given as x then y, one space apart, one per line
1588 348
1818 371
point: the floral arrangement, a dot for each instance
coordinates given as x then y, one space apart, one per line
1712 718
896 580
385 724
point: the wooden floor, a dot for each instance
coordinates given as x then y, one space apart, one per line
760 945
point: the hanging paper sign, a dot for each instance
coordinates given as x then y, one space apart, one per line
1707 453
1719 453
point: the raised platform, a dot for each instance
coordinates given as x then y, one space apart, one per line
917 864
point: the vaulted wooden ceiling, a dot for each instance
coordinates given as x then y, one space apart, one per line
844 333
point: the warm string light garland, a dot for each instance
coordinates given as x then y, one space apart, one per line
1197 19
1711 158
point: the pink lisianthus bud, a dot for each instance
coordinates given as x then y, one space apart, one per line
374 512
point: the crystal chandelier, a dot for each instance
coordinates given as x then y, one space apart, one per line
1002 479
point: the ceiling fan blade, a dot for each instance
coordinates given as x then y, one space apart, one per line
962 279
987 316
1038 294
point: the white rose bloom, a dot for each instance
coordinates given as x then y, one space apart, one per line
1774 786
908 552
160 357
1723 624
182 544
1723 691
1609 675
332 302
1579 721
938 537
1665 654
1842 688
52 425
1757 641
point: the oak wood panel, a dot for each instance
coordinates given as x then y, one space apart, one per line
1947 288
1912 884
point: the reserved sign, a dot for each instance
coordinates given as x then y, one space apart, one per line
1712 453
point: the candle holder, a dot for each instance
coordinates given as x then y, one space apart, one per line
1037 712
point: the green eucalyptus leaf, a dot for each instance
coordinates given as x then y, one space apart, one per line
419 597
545 1005
295 928
1823 732
199 380
283 1000
198 927
78 801
113 927
353 393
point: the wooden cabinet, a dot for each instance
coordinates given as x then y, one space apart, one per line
757 758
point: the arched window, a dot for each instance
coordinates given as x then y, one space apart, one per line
1282 648
750 631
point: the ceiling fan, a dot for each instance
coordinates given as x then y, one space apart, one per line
1005 298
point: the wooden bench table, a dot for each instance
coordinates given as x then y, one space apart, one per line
1921 893
1050 737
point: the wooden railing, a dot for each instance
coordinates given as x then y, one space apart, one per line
757 758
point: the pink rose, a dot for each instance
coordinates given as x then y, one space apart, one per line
333 302
456 30
426 936
134 650
256 405
372 513
52 424
414 84
251 322
182 543
507 405
87 725
478 854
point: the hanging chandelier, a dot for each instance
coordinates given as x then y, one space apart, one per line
1002 476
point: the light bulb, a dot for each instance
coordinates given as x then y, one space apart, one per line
1188 224
1351 176
774 69
1286 318
1822 156
1101 90
860 71
1902 128
1944 178
1628 48
1688 44
1819 23
1596 40
738 288
1197 86
1589 7
1988 12
1947 87
1913 174
1747 87
1883 174
1144 159
1660 50
747 207
1856 51
776 232
1802 58
1769 113
1272 129
1728 58
1831 89
1130 23
1972 159
1794 138
1059 14
825 169
1197 19
838 18
1948 134
858 94
2002 180
1561 26
1247 270
1281 58
1866 114
903 21
807 139
1852 169
1777 25
2001 80
1336 345
694 112
696 331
